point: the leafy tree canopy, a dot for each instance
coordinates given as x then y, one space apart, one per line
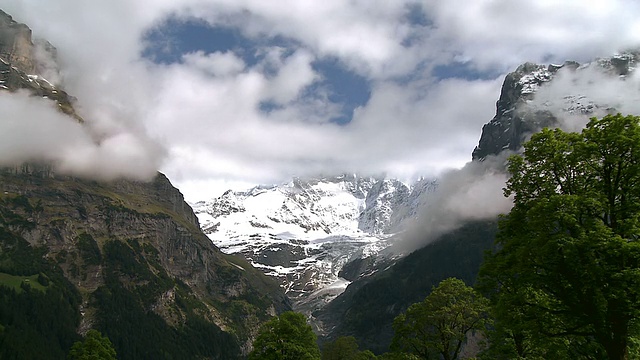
286 337
345 348
439 325
94 347
566 277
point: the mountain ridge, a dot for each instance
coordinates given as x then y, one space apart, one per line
21 70
515 116
304 231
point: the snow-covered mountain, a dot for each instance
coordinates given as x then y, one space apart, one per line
305 231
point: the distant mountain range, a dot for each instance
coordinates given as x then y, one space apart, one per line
304 232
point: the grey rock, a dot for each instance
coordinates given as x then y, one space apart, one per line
515 120
20 68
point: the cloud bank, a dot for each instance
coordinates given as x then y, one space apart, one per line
222 119
472 193
33 130
574 96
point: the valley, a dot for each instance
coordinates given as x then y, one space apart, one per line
94 237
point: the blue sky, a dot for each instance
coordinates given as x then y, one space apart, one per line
171 39
217 93
174 37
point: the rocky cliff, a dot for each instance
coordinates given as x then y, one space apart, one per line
141 238
516 118
15 43
20 68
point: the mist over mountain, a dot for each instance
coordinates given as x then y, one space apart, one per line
91 230
36 110
82 246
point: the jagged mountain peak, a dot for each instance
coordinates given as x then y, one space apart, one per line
305 230
338 204
517 116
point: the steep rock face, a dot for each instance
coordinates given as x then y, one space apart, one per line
89 229
20 69
515 118
506 131
15 43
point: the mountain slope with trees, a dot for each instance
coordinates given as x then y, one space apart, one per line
124 257
128 259
367 308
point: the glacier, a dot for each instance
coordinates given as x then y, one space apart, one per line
305 231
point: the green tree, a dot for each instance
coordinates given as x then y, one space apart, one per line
397 356
566 277
286 337
345 348
94 347
439 325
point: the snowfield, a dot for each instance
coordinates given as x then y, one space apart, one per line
305 231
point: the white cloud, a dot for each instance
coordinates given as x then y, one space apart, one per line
217 64
506 32
206 109
32 129
366 35
294 74
574 97
471 193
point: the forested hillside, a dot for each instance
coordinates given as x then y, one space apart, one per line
367 308
125 258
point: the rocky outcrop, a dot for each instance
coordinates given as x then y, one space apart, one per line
515 119
15 43
512 122
20 68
